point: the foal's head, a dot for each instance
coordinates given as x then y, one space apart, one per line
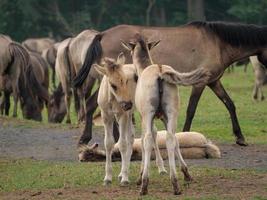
122 80
140 50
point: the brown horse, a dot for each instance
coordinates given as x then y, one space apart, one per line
16 65
38 44
211 45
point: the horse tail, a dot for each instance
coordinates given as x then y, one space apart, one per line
199 76
94 54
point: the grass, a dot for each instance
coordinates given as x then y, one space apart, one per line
30 175
212 118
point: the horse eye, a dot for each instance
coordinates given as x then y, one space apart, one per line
114 87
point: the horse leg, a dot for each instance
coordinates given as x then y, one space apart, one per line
15 97
192 105
261 96
220 92
255 92
2 104
76 100
148 145
67 102
109 143
7 102
159 159
124 147
172 145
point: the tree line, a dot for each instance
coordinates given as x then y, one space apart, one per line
22 19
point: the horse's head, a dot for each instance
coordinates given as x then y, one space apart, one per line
91 153
140 49
121 79
57 106
30 108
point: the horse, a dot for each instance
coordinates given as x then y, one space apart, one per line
193 145
16 66
211 45
39 70
38 44
50 55
260 75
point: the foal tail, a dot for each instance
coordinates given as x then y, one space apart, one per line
199 76
94 53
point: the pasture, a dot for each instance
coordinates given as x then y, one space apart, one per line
25 176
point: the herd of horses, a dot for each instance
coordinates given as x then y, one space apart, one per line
194 54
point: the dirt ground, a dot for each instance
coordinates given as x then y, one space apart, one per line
59 144
46 143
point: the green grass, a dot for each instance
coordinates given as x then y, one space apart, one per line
212 118
30 175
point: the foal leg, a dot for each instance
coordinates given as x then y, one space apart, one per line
192 105
123 147
159 159
109 143
218 89
148 145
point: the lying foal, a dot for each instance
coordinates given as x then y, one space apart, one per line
157 96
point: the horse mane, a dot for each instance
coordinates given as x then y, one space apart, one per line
236 34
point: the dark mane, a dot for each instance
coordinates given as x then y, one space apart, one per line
236 34
142 40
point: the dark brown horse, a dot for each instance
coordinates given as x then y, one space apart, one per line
21 78
211 45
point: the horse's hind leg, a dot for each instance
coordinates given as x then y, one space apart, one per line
159 159
255 92
67 102
218 89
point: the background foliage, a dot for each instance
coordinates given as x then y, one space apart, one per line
22 19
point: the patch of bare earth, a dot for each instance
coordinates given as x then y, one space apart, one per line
245 187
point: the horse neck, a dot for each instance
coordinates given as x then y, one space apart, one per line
142 63
232 54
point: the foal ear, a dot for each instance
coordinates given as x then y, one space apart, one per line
121 59
151 45
101 70
128 46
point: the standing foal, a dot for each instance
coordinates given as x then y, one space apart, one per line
157 96
115 99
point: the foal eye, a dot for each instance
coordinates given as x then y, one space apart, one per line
114 87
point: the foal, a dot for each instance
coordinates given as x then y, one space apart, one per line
157 96
115 100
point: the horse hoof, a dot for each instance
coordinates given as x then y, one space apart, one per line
139 181
68 121
107 182
241 142
124 183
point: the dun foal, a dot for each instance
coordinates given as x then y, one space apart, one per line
115 100
157 96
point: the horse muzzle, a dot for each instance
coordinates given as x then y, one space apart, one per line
126 105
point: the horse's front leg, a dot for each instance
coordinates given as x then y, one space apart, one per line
123 147
218 89
109 143
192 105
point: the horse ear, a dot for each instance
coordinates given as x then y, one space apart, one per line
128 46
95 145
101 70
151 45
121 59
